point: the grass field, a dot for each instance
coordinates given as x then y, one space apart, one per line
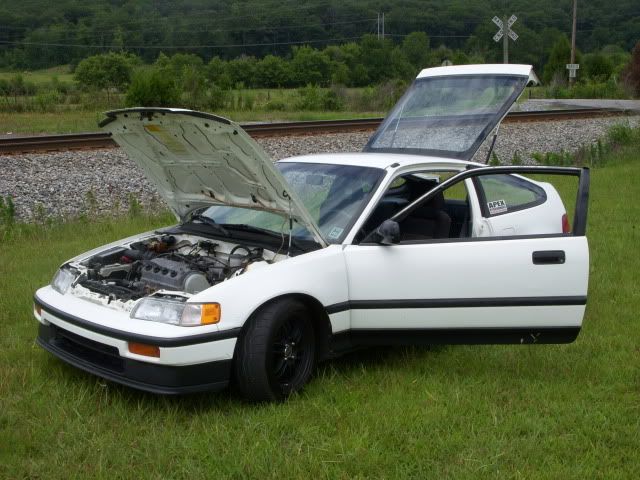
41 77
87 121
561 412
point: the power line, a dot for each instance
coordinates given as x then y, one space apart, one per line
176 47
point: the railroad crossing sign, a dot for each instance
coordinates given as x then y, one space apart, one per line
572 67
501 32
504 28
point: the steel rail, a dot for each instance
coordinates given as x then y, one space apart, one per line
75 141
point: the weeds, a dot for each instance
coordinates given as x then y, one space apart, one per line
596 154
135 207
7 214
91 203
516 159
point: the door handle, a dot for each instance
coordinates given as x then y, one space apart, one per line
548 257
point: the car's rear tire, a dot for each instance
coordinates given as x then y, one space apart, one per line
276 354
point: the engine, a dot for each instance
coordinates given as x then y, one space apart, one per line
163 263
166 274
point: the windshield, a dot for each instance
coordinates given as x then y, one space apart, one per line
447 116
334 195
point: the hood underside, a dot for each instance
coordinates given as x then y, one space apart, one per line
197 159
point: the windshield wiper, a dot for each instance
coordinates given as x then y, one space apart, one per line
210 222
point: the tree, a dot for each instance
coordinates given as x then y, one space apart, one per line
597 66
152 87
272 72
310 66
560 55
179 63
242 71
216 72
632 71
376 56
416 48
105 71
192 82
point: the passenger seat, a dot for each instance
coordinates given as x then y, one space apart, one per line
427 221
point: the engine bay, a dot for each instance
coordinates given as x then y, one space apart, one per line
161 264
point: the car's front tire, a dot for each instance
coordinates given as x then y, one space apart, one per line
276 354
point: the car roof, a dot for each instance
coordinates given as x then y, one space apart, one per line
378 160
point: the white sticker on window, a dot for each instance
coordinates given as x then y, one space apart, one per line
335 232
497 206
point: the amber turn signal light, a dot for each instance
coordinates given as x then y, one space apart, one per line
144 349
210 313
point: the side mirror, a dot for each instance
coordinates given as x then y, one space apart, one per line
388 232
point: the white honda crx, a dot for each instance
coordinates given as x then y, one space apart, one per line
274 267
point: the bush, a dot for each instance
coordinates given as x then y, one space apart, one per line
218 98
597 67
152 88
109 70
588 89
631 73
314 98
46 101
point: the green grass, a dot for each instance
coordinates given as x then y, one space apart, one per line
566 411
87 121
42 77
29 123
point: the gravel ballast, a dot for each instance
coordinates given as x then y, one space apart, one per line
68 184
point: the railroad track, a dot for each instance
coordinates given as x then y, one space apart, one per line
75 141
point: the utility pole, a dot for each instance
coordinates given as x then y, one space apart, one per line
505 33
383 25
572 74
378 25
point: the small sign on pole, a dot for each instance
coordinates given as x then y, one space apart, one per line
573 67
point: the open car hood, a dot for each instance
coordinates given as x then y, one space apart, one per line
197 159
449 111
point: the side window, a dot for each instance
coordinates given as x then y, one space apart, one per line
447 215
505 193
476 203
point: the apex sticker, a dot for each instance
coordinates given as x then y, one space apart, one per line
497 206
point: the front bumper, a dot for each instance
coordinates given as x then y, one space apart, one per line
77 342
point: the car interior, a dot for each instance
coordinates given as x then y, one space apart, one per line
443 216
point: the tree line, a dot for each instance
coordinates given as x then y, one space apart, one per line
41 33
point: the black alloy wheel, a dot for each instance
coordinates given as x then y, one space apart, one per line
276 354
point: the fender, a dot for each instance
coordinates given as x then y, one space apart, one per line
240 296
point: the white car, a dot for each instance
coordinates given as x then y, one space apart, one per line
274 267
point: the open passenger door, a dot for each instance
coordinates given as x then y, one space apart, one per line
516 289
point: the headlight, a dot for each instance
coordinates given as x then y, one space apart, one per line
62 280
174 312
